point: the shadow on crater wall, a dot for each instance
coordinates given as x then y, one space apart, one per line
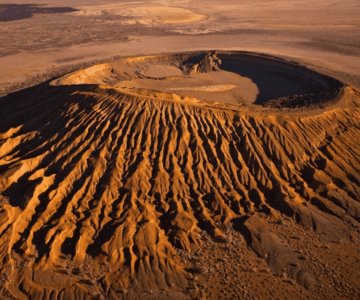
277 79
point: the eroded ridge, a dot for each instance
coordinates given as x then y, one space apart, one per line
100 187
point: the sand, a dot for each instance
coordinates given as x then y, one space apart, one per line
12 12
322 34
145 15
138 163
124 192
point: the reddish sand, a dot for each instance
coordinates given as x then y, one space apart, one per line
129 192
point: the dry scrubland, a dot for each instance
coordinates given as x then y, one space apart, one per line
186 175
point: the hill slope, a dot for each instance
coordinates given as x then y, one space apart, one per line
106 192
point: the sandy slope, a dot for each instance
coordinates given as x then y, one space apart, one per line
111 193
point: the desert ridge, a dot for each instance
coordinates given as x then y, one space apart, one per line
118 179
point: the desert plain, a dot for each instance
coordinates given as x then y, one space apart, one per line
180 149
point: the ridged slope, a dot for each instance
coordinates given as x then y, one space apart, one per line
114 184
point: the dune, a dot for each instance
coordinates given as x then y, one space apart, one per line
114 177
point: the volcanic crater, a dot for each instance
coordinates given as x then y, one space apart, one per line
224 77
118 178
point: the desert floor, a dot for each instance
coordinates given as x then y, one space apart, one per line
324 34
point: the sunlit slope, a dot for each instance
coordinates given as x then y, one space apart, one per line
113 183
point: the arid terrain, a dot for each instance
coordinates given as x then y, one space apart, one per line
180 149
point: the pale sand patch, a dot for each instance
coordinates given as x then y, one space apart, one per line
161 71
90 75
206 88
146 15
163 15
222 86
